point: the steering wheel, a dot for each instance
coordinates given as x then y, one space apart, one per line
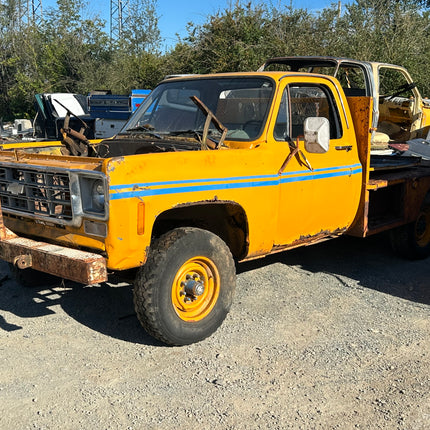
399 90
252 128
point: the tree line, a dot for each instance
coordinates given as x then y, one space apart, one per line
70 51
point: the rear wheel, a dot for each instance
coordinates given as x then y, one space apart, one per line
412 240
186 288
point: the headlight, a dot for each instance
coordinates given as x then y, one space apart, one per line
93 192
98 196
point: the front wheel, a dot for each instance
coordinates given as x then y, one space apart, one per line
185 290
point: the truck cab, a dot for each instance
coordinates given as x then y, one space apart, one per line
399 113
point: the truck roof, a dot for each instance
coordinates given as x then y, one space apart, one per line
299 62
273 74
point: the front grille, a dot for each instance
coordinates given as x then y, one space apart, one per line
36 192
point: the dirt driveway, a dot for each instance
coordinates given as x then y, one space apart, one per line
335 336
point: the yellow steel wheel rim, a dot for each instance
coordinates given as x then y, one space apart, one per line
422 229
191 307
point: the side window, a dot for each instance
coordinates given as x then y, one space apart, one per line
393 83
303 101
352 79
398 107
282 131
313 101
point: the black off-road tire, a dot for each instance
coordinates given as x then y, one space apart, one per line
162 308
412 241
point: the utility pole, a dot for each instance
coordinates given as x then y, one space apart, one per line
118 18
36 11
30 12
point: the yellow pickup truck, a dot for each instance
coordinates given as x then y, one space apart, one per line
210 170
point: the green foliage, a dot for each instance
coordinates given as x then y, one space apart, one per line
71 52
126 72
231 41
142 33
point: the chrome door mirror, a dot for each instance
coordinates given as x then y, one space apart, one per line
317 134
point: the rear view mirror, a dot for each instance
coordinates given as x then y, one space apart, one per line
317 134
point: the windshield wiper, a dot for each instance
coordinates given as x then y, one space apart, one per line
143 127
197 134
182 132
146 129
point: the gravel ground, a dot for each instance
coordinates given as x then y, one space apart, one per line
334 336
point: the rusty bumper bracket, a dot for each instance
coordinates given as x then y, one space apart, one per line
68 263
80 266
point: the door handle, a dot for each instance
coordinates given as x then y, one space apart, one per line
346 148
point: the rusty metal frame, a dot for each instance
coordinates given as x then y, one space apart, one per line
76 265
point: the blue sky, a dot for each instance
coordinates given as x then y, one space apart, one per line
175 14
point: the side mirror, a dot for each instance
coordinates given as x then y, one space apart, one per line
317 134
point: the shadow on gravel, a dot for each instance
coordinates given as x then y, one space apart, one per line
106 308
369 261
23 302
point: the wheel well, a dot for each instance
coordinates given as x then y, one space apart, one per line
422 202
426 200
225 219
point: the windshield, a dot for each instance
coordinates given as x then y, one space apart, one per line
241 104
